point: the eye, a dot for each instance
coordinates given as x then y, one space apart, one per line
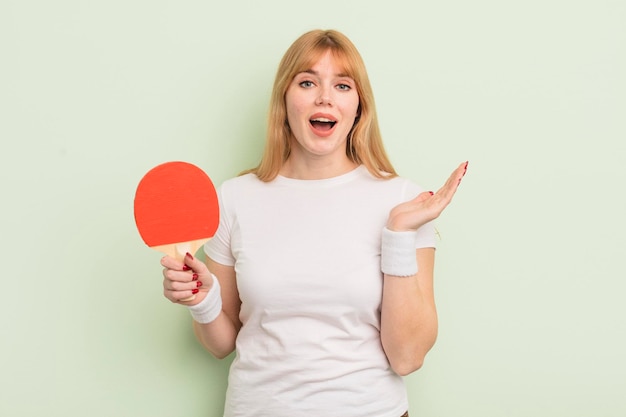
344 87
306 84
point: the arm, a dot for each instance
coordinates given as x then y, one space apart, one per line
218 337
180 279
408 312
408 316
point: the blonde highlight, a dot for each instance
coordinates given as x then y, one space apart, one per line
364 144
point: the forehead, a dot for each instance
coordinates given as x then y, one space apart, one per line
338 58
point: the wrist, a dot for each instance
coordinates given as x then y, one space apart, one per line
210 307
398 253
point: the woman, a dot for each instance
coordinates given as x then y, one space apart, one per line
320 275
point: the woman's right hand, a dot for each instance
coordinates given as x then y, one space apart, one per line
181 280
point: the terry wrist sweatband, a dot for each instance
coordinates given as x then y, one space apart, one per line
208 309
397 255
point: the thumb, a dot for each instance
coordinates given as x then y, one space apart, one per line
423 196
194 263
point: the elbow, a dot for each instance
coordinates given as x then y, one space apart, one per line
406 366
219 351
408 359
220 355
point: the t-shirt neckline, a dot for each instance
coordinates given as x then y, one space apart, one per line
339 179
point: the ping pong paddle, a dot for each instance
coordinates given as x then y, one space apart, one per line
176 209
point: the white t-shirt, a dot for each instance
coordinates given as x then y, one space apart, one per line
307 259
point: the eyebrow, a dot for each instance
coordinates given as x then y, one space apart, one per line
313 72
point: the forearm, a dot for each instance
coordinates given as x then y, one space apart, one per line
408 313
218 336
218 332
409 316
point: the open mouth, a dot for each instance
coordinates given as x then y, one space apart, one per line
322 124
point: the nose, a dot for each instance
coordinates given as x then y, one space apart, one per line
324 97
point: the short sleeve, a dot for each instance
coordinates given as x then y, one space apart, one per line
218 248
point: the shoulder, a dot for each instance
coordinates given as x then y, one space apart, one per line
244 180
403 187
239 184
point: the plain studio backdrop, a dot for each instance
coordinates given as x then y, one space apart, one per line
530 274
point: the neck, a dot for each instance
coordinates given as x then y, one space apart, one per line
316 169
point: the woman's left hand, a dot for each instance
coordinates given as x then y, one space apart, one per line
427 206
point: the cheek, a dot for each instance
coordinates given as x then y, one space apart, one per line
354 109
357 104
289 107
293 114
352 106
293 105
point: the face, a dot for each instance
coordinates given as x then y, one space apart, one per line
322 105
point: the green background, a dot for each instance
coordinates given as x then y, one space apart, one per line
530 275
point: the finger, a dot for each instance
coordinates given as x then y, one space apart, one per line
423 196
455 179
171 285
195 264
172 263
197 270
448 189
463 170
458 173
180 276
177 296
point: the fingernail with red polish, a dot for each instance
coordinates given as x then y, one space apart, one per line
194 277
186 268
199 284
431 193
195 291
190 256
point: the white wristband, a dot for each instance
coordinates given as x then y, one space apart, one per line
397 255
208 309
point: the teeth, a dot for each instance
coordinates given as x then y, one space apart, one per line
322 120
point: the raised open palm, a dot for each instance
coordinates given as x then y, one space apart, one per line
427 206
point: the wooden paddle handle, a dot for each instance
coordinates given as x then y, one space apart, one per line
179 250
